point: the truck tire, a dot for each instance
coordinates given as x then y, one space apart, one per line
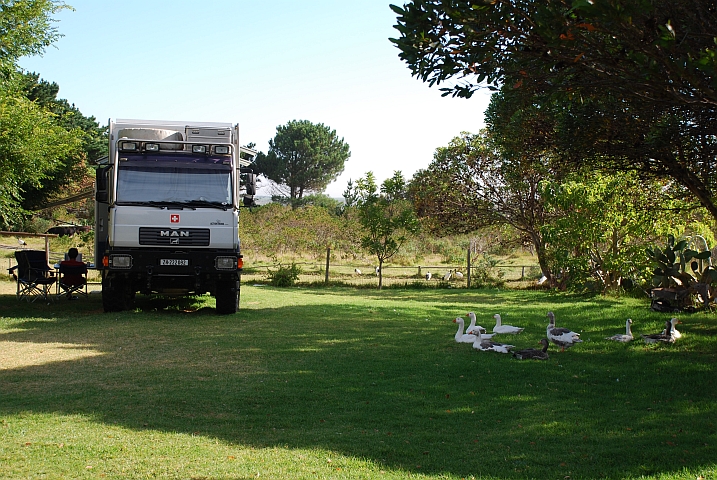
227 297
114 294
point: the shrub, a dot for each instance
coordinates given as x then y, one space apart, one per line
284 276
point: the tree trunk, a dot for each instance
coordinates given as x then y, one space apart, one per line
380 273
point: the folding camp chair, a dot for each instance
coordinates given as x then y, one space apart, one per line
69 283
34 276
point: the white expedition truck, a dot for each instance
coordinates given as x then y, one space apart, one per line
167 202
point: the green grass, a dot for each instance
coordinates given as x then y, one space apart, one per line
343 383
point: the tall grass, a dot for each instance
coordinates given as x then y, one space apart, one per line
343 383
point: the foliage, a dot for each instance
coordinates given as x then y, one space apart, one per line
671 273
32 145
71 174
26 28
304 157
387 217
630 85
335 207
484 274
601 224
673 260
651 51
284 276
40 149
277 230
470 185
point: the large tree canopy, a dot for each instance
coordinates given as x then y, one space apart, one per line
630 85
304 157
660 51
39 141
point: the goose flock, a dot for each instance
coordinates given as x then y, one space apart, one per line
560 336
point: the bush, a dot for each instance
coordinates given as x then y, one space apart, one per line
284 276
485 273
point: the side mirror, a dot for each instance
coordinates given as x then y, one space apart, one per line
101 185
251 184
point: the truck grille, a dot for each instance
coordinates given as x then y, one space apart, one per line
185 237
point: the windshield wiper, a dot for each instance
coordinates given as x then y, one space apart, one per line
178 205
206 203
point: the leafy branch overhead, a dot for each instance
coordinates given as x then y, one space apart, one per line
661 51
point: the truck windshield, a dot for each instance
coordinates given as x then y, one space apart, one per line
161 182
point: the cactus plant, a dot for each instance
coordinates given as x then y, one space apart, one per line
671 268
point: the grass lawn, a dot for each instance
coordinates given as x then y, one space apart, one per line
342 383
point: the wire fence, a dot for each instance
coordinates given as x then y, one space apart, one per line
363 274
366 275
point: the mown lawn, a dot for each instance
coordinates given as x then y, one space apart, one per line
343 383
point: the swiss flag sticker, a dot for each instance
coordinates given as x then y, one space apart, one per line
174 218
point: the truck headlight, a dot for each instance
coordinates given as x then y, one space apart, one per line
225 263
120 261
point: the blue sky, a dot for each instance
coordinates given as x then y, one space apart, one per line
259 64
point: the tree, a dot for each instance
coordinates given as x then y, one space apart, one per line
26 28
469 185
71 174
657 51
387 216
304 157
632 84
31 146
601 225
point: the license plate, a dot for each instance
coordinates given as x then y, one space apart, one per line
174 262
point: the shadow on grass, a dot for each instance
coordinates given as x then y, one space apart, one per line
383 382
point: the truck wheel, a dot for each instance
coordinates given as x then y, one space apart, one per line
227 297
114 296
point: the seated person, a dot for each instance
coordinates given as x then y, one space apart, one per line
77 277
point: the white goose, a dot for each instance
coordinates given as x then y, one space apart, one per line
460 336
487 345
473 328
500 328
623 337
675 333
562 337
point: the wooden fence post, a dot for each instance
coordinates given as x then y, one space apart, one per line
468 270
328 257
